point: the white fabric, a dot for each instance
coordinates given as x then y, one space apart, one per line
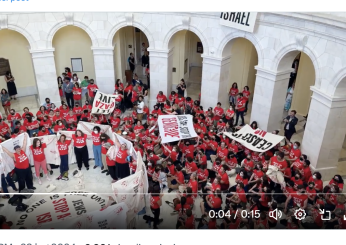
255 140
140 107
176 127
103 103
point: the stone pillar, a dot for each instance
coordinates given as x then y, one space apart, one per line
269 98
160 76
46 76
104 68
324 132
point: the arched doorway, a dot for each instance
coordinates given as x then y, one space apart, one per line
14 48
71 42
129 40
239 59
296 93
185 62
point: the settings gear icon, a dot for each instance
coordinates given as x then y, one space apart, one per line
300 214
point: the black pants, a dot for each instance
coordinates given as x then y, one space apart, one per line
288 134
82 155
246 104
241 114
112 170
156 219
69 100
161 105
24 177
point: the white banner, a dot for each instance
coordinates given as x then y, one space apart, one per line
103 103
176 127
255 140
51 151
132 190
244 21
47 210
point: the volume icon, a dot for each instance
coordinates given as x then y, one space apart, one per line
275 214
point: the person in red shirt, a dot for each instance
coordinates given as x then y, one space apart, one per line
64 111
295 152
31 125
300 199
87 106
212 202
239 196
77 93
57 116
13 117
128 95
37 149
95 134
190 220
161 100
240 108
115 122
306 172
92 87
176 180
63 148
41 113
46 122
5 130
155 204
104 138
224 179
80 149
297 180
122 164
71 119
77 111
248 164
26 112
22 166
137 129
218 113
233 92
246 94
229 115
42 131
279 161
335 181
317 179
59 126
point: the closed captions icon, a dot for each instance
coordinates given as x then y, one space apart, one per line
275 214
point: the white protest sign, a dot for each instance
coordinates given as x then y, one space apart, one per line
50 209
255 140
176 127
103 103
244 21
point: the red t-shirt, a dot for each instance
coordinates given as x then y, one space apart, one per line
115 122
21 160
244 181
91 89
4 129
153 202
190 222
202 174
241 104
248 165
215 201
191 166
171 169
274 161
294 153
218 112
137 129
225 179
56 118
77 93
180 177
110 162
79 141
96 138
233 91
57 128
180 101
222 152
242 195
246 94
229 114
63 147
38 153
299 199
71 119
64 112
78 111
161 98
16 116
32 125
189 150
47 124
121 156
318 183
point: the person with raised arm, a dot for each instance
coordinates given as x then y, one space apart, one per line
22 166
122 165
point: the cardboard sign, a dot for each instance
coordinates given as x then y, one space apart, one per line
255 140
244 21
103 103
175 127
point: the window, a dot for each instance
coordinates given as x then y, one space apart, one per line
4 66
77 65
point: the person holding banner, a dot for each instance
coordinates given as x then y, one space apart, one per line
104 138
122 165
22 165
95 134
37 149
63 145
80 149
110 161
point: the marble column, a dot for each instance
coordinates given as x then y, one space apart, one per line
46 76
104 68
324 132
269 98
160 76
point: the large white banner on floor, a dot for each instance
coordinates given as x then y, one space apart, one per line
103 103
71 210
51 151
6 162
132 190
176 127
255 140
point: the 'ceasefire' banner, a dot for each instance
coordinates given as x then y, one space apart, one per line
103 103
255 140
176 127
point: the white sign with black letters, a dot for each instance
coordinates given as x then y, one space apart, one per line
103 103
244 21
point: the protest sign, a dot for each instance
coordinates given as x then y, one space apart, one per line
103 103
255 140
176 127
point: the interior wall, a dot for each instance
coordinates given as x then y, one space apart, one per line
242 66
73 42
15 48
305 79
